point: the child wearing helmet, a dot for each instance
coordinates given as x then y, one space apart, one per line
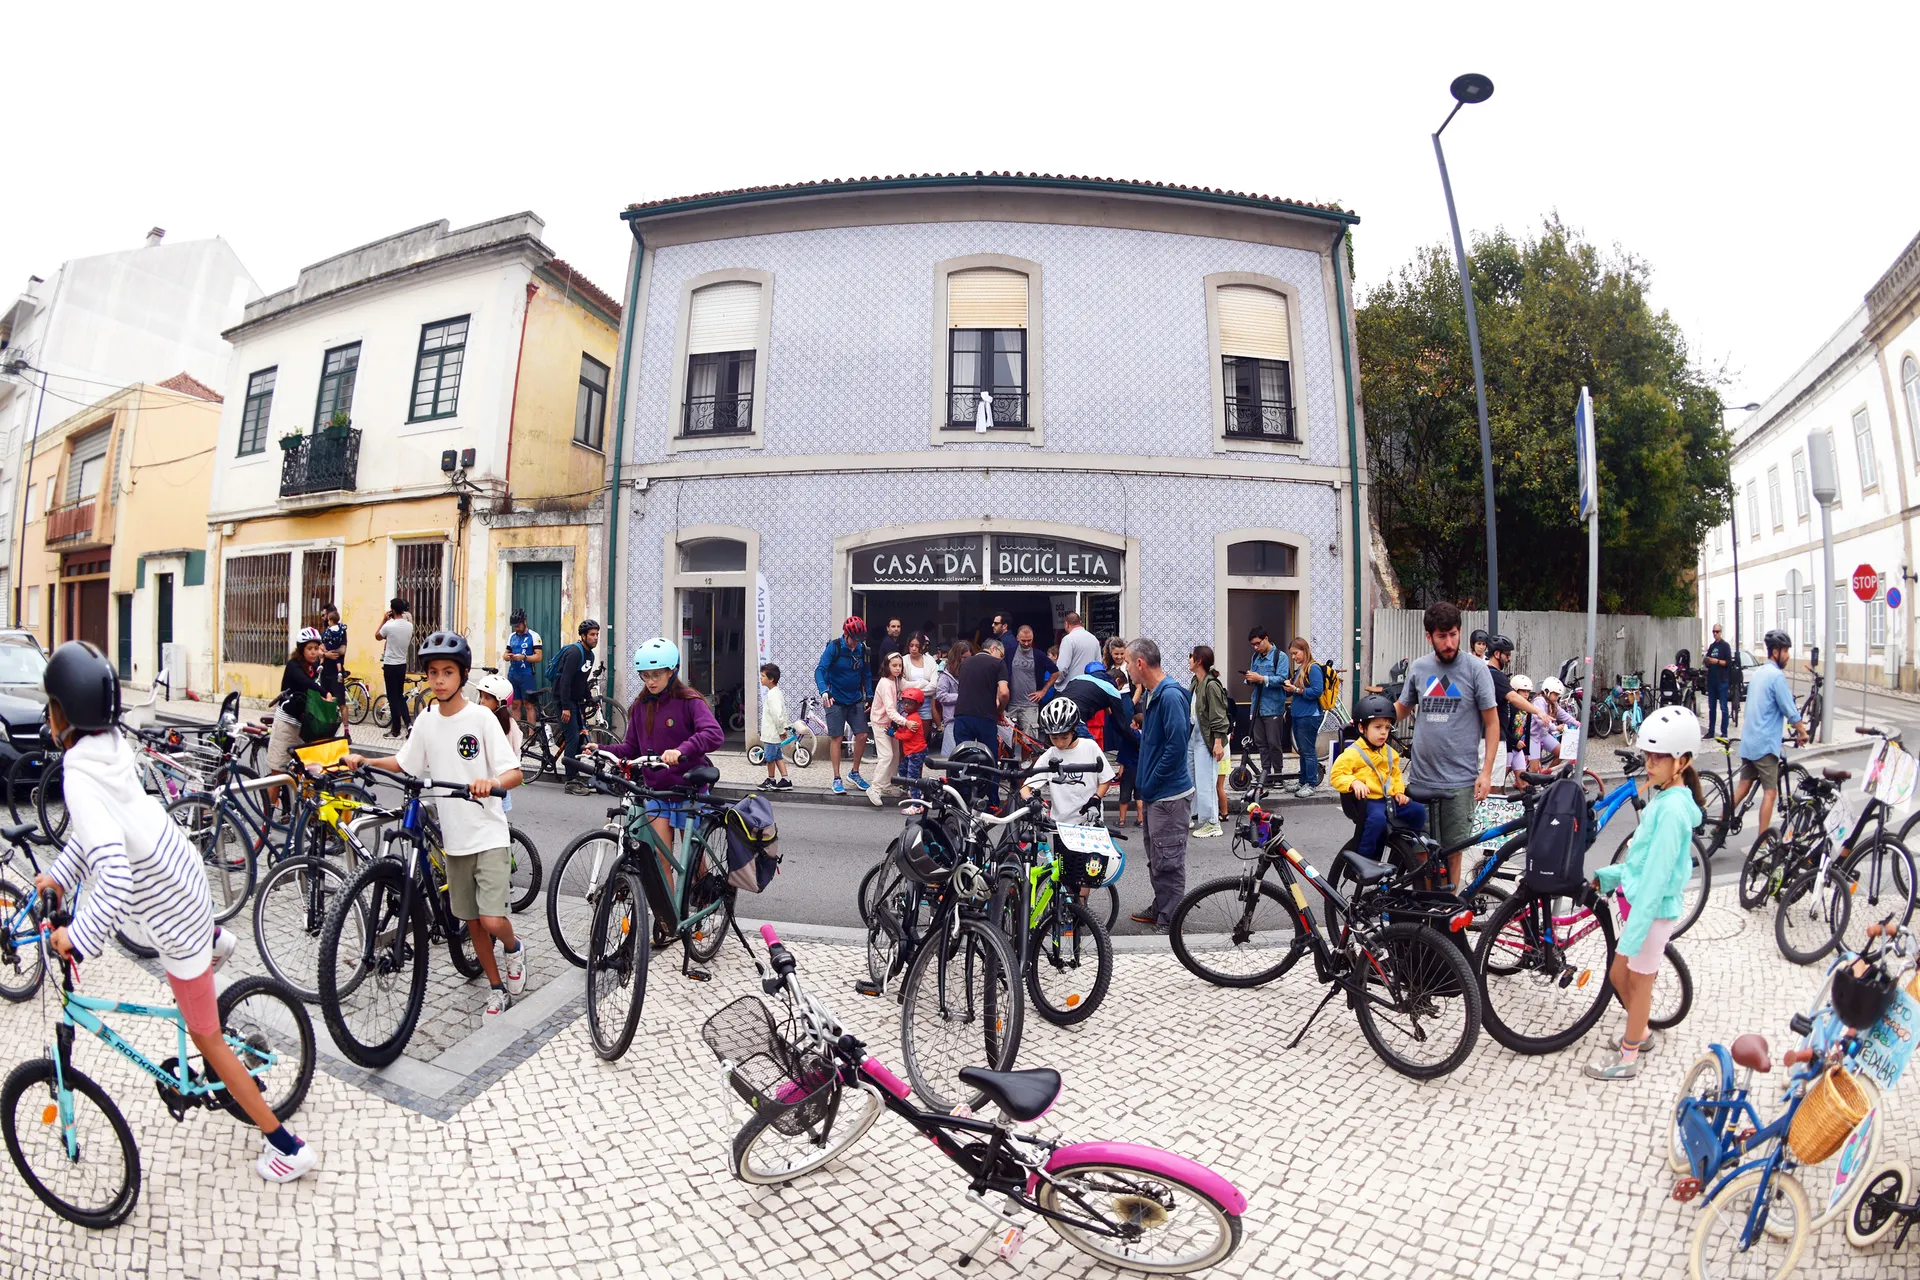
1060 721
670 719
495 692
1369 770
1550 715
910 736
1652 880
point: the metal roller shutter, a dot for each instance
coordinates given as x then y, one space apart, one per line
1253 322
726 317
987 298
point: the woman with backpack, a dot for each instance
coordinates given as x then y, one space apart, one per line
1213 729
1304 689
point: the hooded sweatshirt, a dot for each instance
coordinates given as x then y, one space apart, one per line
683 723
138 863
1658 865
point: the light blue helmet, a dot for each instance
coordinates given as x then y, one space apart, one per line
657 654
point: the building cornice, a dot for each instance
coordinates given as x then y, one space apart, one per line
1081 464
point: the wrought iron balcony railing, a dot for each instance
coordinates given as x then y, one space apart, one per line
321 463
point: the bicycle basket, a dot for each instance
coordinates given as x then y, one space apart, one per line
787 1088
1834 1104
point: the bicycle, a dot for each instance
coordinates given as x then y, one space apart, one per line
71 1143
414 692
1720 792
356 696
689 898
797 746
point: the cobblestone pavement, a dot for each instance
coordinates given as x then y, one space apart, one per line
565 1165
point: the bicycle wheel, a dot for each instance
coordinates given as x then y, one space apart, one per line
50 803
1672 992
1234 932
1717 810
616 718
802 754
23 776
382 711
1880 879
1420 1008
289 914
224 856
23 961
524 871
1148 1220
619 949
766 1154
459 939
961 1007
1877 1209
1069 962
1812 915
1590 784
1602 725
873 883
1542 963
270 1032
578 873
1693 899
537 749
373 965
1703 1083
708 888
96 1186
756 755
357 702
1834 1183
1721 1243
1758 872
1111 895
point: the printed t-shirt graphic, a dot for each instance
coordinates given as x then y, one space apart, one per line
1440 699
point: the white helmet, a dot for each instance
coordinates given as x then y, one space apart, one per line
1671 731
1552 685
1523 684
497 685
307 636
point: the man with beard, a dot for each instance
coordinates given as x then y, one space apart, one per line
1456 735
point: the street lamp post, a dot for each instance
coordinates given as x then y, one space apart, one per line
1737 687
1470 88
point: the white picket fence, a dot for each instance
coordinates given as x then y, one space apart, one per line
1625 642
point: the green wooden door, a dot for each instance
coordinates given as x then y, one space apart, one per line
536 588
123 620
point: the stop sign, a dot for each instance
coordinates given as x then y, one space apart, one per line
1866 583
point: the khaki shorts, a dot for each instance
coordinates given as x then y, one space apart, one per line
1766 769
477 883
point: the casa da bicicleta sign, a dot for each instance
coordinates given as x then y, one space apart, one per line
977 560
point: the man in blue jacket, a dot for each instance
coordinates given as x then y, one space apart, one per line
1165 780
844 678
1268 671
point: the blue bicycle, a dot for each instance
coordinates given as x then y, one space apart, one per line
66 1135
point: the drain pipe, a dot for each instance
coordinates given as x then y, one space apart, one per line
1353 450
620 447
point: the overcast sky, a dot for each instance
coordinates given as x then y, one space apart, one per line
1767 167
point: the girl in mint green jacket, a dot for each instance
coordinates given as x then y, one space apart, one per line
1654 879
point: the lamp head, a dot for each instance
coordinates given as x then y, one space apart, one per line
1471 88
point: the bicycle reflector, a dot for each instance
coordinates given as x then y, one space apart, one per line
1460 920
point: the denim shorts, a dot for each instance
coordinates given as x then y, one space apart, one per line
841 714
676 812
773 751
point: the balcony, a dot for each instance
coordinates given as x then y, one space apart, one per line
722 415
73 523
1251 419
1009 408
324 462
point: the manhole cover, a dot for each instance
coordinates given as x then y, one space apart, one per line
1718 923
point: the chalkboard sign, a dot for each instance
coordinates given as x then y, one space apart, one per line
1103 617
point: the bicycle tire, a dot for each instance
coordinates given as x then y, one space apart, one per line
709 885
1717 810
757 754
1591 786
1057 950
225 859
1679 1001
581 882
382 711
286 931
1877 1209
802 753
1818 901
1880 875
524 870
460 945
114 1208
1694 899
980 954
23 961
616 718
1067 1193
1535 967
1421 967
762 1134
1758 871
617 967
1731 1207
49 802
1113 904
1269 941
872 885
274 1021
372 899
133 946
1602 725
357 702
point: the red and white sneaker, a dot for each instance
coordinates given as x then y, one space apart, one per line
223 944
275 1167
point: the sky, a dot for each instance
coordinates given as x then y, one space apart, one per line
1767 167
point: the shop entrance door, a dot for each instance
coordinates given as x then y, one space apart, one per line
946 616
713 650
1274 610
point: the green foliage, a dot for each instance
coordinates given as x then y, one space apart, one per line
1555 314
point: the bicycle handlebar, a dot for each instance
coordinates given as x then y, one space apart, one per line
947 765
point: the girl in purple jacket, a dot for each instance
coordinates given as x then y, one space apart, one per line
669 719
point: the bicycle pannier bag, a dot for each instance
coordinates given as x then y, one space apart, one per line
753 849
319 719
1557 839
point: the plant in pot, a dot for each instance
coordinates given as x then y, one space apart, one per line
291 441
336 428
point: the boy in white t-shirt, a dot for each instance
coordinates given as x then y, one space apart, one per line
1060 719
459 741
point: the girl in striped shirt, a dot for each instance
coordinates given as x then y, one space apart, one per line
141 869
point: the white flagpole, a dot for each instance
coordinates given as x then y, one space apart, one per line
1586 442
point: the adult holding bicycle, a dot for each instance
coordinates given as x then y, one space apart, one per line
1456 731
572 689
1770 710
523 669
844 677
396 633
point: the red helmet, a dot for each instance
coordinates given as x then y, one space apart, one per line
854 626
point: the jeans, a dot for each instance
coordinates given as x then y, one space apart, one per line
1719 702
570 734
1166 841
1374 829
983 731
1206 800
910 767
396 677
1306 740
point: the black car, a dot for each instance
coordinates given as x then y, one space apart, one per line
23 703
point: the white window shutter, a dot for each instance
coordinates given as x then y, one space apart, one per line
1253 322
726 317
987 298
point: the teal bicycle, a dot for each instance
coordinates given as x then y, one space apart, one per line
67 1136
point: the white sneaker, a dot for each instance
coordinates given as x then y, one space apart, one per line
1206 829
275 1167
513 968
498 1002
223 944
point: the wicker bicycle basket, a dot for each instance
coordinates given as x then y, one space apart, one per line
1834 1104
790 1089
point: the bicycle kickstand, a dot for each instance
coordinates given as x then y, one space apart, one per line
687 969
1326 1000
1009 1230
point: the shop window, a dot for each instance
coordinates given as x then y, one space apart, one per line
713 555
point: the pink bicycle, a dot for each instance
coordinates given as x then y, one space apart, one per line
815 1091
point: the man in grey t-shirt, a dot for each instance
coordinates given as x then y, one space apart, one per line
1456 735
396 630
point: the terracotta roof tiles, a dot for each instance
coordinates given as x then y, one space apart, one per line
584 287
188 385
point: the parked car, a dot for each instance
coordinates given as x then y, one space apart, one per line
23 703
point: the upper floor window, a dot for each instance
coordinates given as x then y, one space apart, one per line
1910 387
337 372
259 407
590 407
436 374
1773 497
987 348
1800 490
1256 361
1839 603
87 465
723 330
1753 514
1863 447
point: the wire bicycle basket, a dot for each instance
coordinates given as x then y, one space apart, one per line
787 1087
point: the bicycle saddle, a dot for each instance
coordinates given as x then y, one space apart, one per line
19 834
1365 869
1426 794
1750 1050
1022 1095
1836 775
705 776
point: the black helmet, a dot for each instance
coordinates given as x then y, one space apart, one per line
1478 637
1861 1000
519 616
83 682
1499 644
447 644
972 753
926 852
1778 639
1374 706
588 624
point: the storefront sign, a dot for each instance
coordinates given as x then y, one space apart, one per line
955 561
1019 560
762 618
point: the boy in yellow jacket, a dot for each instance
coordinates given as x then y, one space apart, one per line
1370 770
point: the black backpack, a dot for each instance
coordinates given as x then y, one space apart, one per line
1558 834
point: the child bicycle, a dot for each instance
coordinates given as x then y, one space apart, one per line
65 1133
815 1091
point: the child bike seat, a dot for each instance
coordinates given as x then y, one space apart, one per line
1365 869
1023 1095
1750 1050
1836 775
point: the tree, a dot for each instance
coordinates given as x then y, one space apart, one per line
1555 314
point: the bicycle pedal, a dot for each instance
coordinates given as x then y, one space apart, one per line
1010 1241
868 987
697 975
